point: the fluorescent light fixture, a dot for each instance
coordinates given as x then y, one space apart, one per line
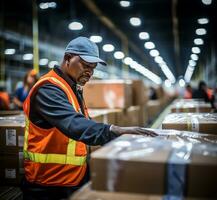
203 21
201 31
195 50
194 56
188 74
181 83
168 73
207 2
47 5
10 51
135 21
149 45
125 4
127 60
192 63
28 56
96 38
198 41
43 61
75 26
167 83
52 64
144 36
154 53
119 55
158 59
108 47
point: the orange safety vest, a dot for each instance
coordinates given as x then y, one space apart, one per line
209 93
50 157
4 97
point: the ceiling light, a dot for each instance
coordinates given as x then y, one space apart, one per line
154 53
158 59
127 60
125 3
10 51
168 73
167 83
75 26
201 31
108 48
43 61
194 56
119 55
203 21
96 38
198 41
47 5
52 64
181 83
149 45
135 21
207 2
144 36
195 50
28 56
192 63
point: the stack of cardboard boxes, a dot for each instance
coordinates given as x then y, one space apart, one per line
124 102
170 166
11 148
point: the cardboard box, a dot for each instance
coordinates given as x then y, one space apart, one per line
153 107
143 115
190 106
128 117
86 193
11 168
12 133
138 164
140 96
196 122
107 116
108 94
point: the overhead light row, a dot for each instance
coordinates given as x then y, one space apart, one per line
196 50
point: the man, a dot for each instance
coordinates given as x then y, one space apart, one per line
58 126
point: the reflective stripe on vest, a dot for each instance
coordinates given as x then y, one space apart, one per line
69 157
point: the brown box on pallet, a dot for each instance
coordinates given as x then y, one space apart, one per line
190 106
108 94
11 168
196 122
11 133
138 164
140 96
86 193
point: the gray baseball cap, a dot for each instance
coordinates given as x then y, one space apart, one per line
86 49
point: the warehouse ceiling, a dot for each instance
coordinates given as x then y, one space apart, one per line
171 25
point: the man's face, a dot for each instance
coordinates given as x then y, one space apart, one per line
80 70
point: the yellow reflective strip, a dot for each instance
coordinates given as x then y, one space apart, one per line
71 147
26 133
54 158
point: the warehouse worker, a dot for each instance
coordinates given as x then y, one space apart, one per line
58 126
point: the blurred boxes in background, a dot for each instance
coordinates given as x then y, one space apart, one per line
153 108
11 148
190 106
108 94
196 122
138 164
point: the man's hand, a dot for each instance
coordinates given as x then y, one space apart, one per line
132 130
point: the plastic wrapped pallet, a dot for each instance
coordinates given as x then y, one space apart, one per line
196 122
138 164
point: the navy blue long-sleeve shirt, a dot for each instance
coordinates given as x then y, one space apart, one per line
50 108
